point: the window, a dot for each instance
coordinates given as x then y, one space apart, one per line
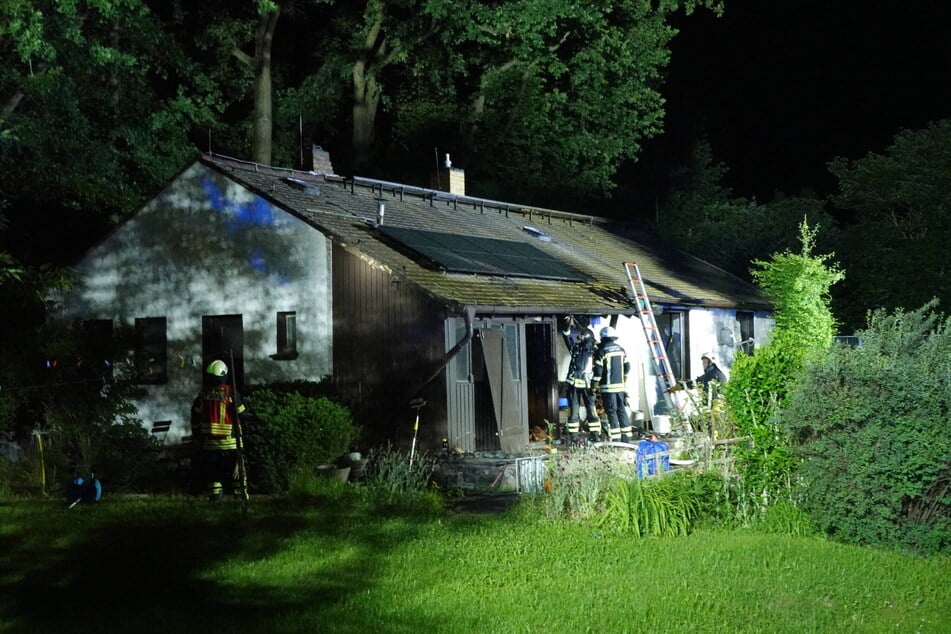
286 335
151 350
673 331
744 320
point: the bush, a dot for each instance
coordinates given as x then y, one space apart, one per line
798 286
577 483
288 432
668 506
391 478
872 426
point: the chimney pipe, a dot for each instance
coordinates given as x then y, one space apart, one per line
380 211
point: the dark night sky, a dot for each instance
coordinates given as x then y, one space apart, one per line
783 86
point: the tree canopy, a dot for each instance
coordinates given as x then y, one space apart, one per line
899 221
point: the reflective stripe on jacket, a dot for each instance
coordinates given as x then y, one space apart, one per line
217 413
611 367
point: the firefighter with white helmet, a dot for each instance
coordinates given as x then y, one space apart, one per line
711 372
611 368
215 430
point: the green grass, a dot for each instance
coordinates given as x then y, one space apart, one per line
335 564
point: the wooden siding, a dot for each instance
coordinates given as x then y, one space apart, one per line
389 338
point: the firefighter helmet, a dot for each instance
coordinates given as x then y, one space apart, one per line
712 358
608 333
217 368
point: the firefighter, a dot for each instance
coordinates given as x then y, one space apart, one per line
580 342
611 368
215 429
711 372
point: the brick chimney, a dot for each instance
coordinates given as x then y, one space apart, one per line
321 160
450 179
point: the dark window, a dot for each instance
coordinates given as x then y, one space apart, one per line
673 332
96 348
286 335
745 321
151 350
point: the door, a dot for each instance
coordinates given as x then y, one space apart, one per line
504 387
486 388
222 337
541 374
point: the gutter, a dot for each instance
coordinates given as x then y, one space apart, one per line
469 316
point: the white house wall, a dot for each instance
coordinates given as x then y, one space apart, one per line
206 246
709 329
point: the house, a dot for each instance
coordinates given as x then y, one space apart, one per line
390 291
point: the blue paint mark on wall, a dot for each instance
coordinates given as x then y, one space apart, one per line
243 216
254 213
258 261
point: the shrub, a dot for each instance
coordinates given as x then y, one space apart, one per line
287 432
759 386
872 426
391 478
667 506
577 482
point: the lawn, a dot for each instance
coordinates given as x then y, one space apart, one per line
340 564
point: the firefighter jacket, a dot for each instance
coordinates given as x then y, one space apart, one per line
712 373
581 346
215 417
611 367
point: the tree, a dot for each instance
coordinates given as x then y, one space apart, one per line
107 74
231 28
899 223
701 216
760 384
564 91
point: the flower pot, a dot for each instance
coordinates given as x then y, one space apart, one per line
333 471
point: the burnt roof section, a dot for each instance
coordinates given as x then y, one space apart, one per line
346 210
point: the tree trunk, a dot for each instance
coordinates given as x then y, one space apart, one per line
262 123
366 98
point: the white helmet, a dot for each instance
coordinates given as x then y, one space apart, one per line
709 356
608 333
217 368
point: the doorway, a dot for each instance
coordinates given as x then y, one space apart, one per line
222 337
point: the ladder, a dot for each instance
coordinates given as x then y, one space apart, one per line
654 342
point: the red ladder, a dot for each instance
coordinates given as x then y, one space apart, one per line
654 342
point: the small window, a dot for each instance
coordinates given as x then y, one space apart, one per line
745 321
151 350
286 335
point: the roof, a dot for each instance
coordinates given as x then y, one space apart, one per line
346 210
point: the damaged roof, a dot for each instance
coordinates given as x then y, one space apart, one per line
346 210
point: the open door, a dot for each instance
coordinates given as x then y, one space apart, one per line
486 387
513 433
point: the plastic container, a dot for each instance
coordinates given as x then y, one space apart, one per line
661 424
